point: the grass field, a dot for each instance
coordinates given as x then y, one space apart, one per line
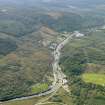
98 79
39 88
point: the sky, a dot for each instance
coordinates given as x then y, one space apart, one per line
57 2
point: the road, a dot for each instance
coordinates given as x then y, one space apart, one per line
59 76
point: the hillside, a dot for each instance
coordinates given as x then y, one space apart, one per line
83 62
30 33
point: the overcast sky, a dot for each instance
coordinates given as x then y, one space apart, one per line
57 2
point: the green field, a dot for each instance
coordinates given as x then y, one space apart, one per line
98 79
39 88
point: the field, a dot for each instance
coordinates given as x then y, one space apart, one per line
98 79
39 88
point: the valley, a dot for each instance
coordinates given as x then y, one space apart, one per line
52 52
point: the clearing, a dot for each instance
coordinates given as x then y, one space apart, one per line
94 78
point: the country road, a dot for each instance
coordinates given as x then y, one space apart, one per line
59 76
